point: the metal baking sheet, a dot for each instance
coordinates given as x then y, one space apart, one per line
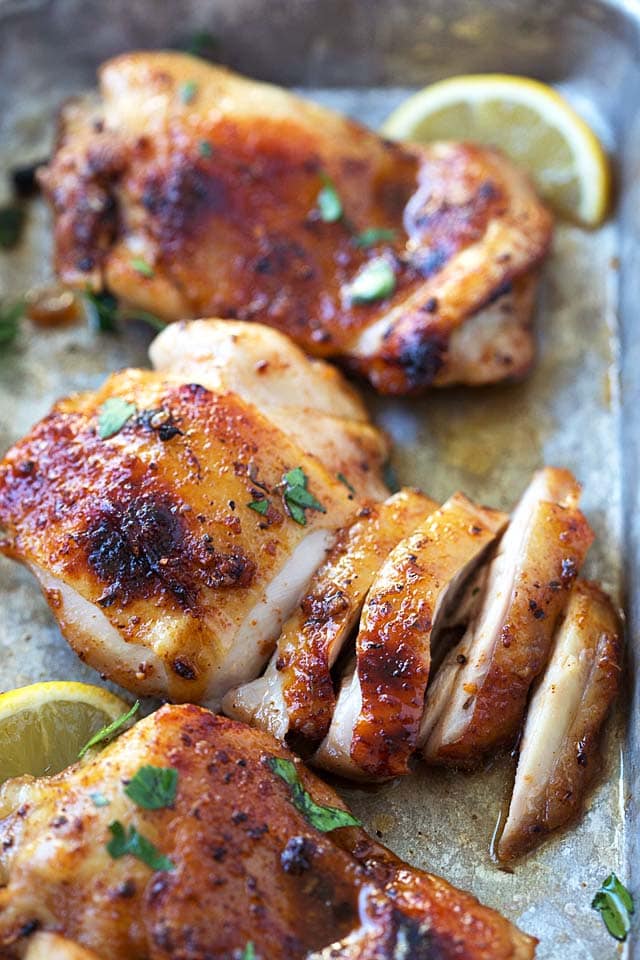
579 409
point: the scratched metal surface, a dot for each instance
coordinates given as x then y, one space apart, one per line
579 408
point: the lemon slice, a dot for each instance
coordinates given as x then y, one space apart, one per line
43 727
529 121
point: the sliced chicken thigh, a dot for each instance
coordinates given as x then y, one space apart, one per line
479 696
559 748
296 692
411 592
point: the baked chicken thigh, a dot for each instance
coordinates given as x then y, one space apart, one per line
174 528
228 857
190 191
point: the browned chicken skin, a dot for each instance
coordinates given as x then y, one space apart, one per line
158 570
559 751
245 865
217 194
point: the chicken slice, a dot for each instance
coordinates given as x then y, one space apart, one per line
266 368
377 717
478 699
559 748
296 692
160 573
245 865
218 195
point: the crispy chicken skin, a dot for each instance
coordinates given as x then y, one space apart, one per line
158 571
478 699
248 867
559 755
217 192
296 693
375 731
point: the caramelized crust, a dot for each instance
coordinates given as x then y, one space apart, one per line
218 194
248 866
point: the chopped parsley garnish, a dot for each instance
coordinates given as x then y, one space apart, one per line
205 149
102 311
154 322
111 730
329 202
341 477
188 91
260 506
615 905
249 952
137 845
322 818
142 267
11 224
296 496
375 281
114 413
153 787
374 235
10 317
99 799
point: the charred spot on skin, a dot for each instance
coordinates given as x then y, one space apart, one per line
324 608
160 421
536 610
297 855
184 668
420 358
181 198
143 546
569 571
28 928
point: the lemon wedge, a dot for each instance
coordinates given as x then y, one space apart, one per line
44 726
529 121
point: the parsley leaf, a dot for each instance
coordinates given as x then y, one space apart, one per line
615 904
260 506
203 44
102 311
153 787
322 818
373 235
137 845
188 91
249 952
205 149
99 800
10 317
375 281
341 477
329 202
111 730
142 267
114 413
296 496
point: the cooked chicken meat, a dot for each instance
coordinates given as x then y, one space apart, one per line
478 699
375 727
296 692
559 749
173 550
208 205
225 859
309 400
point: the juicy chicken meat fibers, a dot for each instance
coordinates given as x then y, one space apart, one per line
159 572
246 865
559 747
375 725
217 194
479 696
